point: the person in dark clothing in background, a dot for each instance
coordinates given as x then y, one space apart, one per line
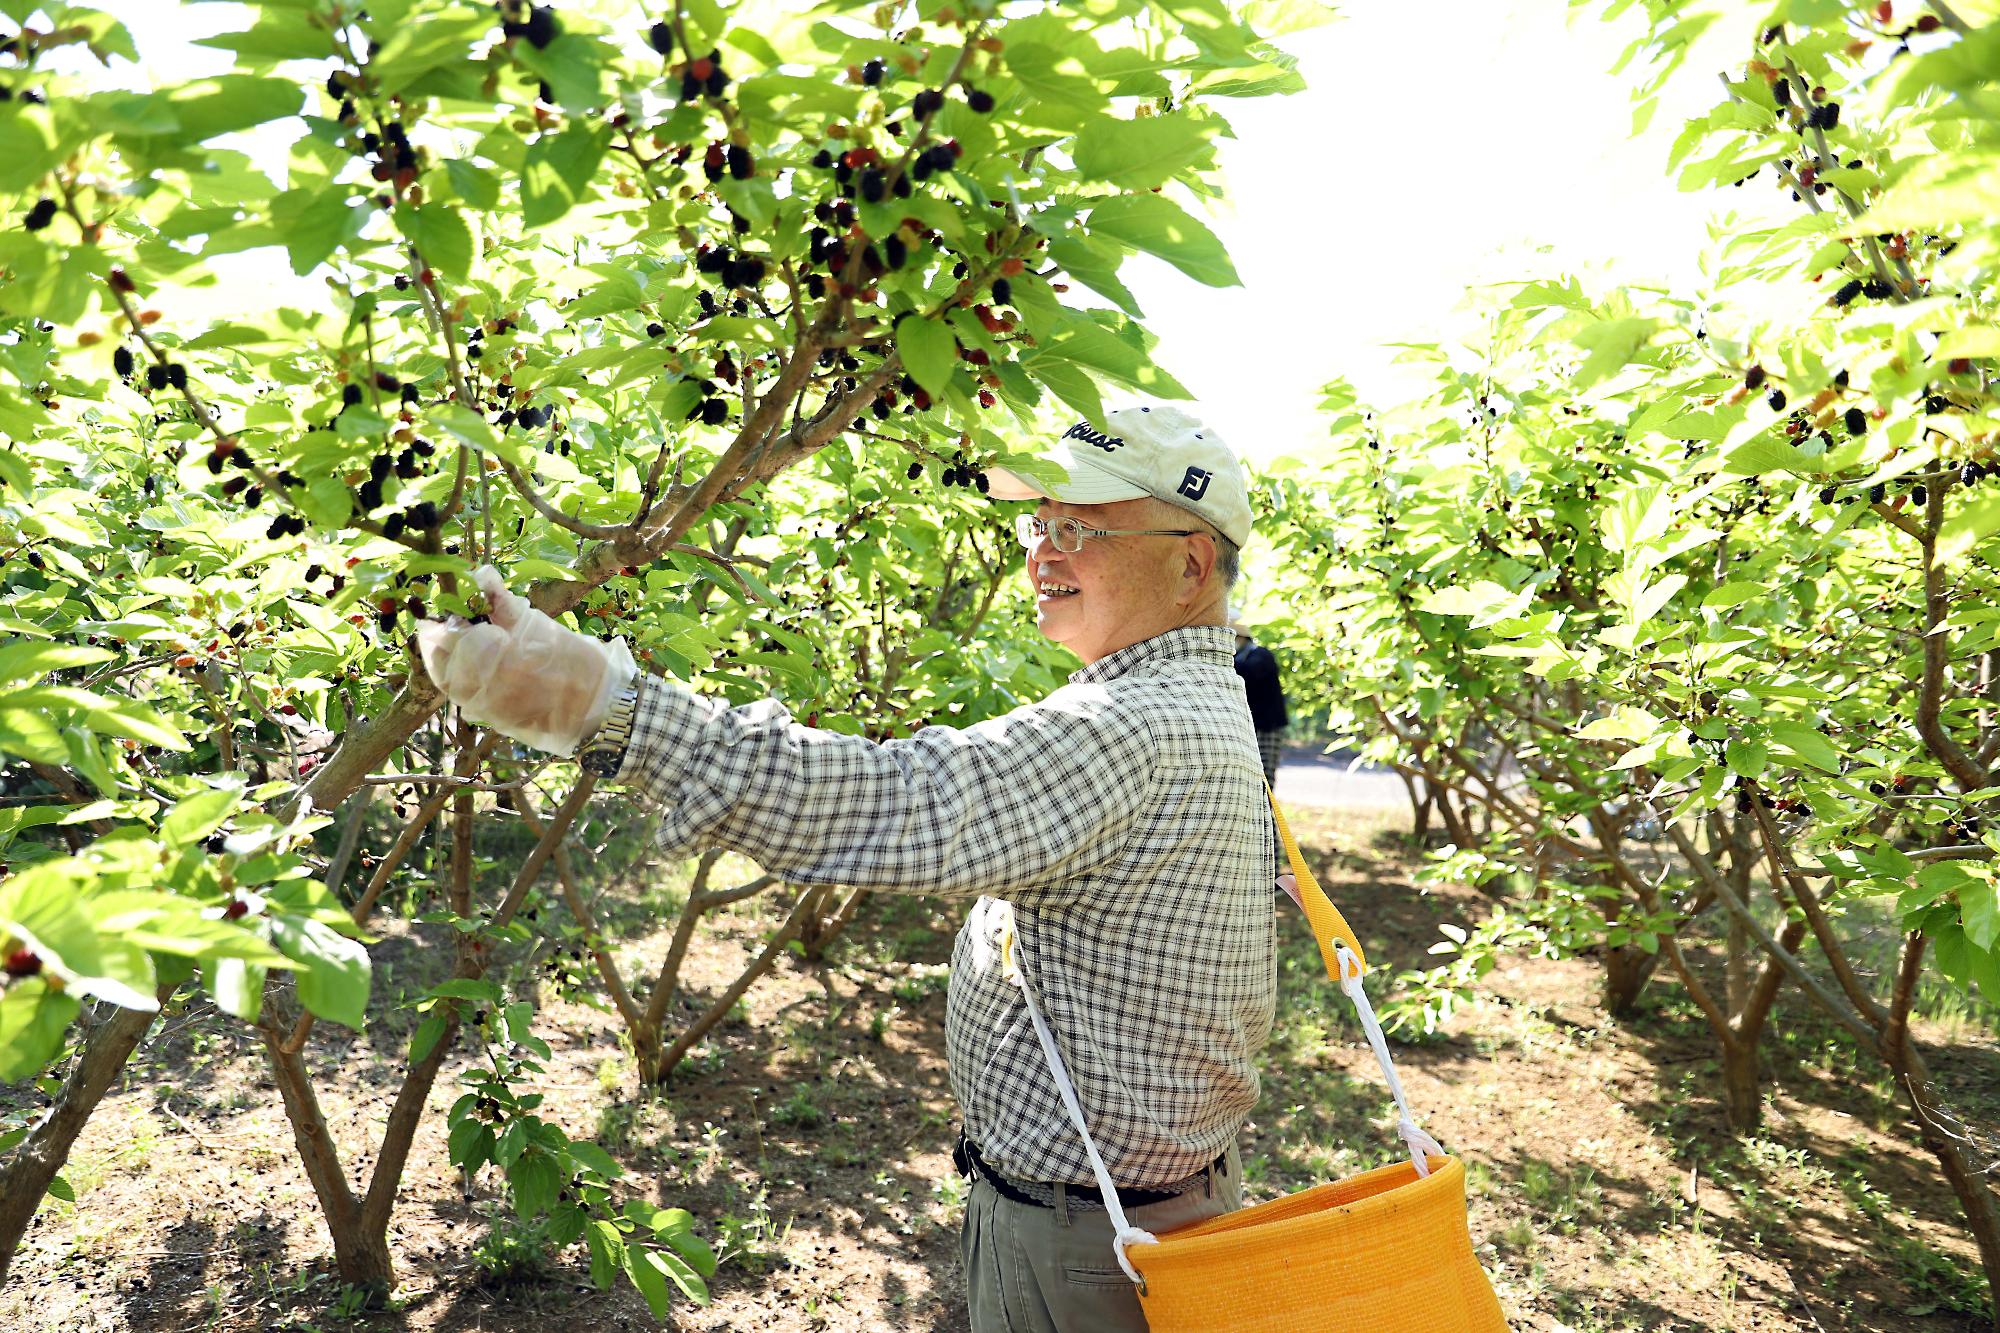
1259 670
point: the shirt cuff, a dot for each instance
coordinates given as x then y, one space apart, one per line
666 726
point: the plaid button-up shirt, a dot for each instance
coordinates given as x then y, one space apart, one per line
1118 836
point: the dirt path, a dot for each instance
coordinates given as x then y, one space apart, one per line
808 1137
1309 776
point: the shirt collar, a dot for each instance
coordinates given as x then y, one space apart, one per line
1210 642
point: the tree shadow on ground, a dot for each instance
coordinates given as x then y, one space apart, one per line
1863 1212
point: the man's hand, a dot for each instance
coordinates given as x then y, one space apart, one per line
522 673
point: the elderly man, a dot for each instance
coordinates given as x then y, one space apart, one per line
1116 836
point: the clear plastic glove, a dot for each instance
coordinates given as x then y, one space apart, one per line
523 674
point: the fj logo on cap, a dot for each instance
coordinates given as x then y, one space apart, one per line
1195 484
1082 431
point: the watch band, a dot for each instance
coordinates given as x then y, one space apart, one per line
604 753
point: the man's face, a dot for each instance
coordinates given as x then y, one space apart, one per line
1126 588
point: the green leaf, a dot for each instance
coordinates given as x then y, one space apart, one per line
33 1019
230 102
534 1182
929 352
1979 910
472 183
1161 228
140 723
1971 522
198 816
465 988
1806 745
649 1276
1624 723
441 236
1091 265
26 662
1055 75
1732 594
469 427
236 987
594 1158
427 41
1140 154
464 1139
1962 186
1757 457
683 1273
1068 382
573 67
278 34
1746 758
315 223
28 145
41 907
429 1032
696 1251
607 1251
1485 599
1611 343
558 172
333 974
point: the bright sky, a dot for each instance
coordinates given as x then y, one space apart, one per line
1436 147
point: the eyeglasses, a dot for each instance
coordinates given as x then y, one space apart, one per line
1067 533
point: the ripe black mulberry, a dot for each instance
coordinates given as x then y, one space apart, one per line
541 28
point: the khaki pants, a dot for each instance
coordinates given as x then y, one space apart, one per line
1052 1270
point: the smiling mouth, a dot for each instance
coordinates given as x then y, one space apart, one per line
1048 589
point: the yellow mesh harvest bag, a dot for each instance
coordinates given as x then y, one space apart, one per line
1387 1250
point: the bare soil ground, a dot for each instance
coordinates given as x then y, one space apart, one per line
809 1136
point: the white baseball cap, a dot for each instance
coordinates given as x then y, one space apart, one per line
1149 449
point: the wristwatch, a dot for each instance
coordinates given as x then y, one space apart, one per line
604 753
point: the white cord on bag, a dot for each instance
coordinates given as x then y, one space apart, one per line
1126 1233
1421 1146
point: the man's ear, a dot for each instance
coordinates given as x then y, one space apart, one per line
1198 567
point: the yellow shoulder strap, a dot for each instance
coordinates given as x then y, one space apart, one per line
1329 926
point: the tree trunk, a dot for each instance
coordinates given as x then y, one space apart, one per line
1741 1086
715 1012
1420 806
1945 1140
361 1264
24 1180
1626 971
